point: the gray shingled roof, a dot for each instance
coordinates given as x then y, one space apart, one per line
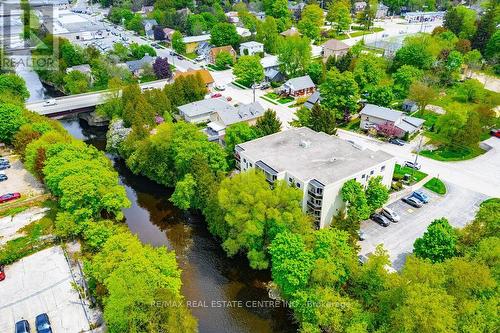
381 112
209 105
335 44
243 112
135 65
299 83
312 100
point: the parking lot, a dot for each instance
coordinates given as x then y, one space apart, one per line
459 206
19 180
41 283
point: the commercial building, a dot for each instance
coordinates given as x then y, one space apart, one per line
316 163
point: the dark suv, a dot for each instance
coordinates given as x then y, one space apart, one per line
23 327
381 219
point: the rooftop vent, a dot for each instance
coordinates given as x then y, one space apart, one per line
305 143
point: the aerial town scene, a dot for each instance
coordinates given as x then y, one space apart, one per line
249 166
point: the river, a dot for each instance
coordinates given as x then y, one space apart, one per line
207 274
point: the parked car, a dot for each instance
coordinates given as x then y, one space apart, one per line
412 201
390 214
216 95
412 165
2 272
265 85
23 326
3 177
220 86
42 323
361 235
420 196
4 166
396 141
495 133
199 58
50 102
9 197
380 219
180 57
3 160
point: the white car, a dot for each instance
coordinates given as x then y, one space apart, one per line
220 86
390 214
50 102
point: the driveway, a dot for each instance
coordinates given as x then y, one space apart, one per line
41 283
477 174
459 206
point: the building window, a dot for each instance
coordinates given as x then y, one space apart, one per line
298 185
245 160
251 165
290 179
319 191
363 176
316 212
372 172
382 168
318 202
274 177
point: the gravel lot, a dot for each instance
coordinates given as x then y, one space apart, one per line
20 180
459 206
37 284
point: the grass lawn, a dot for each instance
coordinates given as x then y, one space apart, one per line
429 116
239 84
400 171
276 97
269 100
352 125
216 68
446 155
490 201
191 56
436 185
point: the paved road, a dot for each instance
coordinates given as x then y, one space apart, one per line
459 206
72 102
37 284
479 174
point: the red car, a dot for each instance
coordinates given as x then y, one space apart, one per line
9 197
2 273
495 133
216 95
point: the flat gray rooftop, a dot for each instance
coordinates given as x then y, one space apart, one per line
312 155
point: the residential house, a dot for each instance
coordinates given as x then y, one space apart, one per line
221 119
137 66
243 32
381 11
334 48
212 54
200 111
299 86
388 121
205 76
259 15
85 69
232 17
251 48
291 32
314 99
317 164
146 9
168 34
359 6
409 106
192 42
149 24
271 69
203 49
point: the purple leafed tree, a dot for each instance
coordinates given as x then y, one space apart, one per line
161 67
158 33
389 130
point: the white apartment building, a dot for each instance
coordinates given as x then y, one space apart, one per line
316 163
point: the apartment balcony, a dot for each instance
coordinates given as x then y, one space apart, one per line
313 205
314 194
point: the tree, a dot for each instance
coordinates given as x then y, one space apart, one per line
11 83
415 54
139 51
311 22
368 13
471 90
294 55
254 214
268 124
249 70
404 77
223 34
380 95
340 92
369 70
492 47
158 33
291 262
12 119
267 34
472 60
223 59
339 13
184 192
177 43
486 27
76 82
354 196
461 21
316 72
236 134
422 94
161 68
438 243
377 193
322 119
135 24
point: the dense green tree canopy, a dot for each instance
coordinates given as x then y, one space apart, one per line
11 83
249 70
12 119
438 242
